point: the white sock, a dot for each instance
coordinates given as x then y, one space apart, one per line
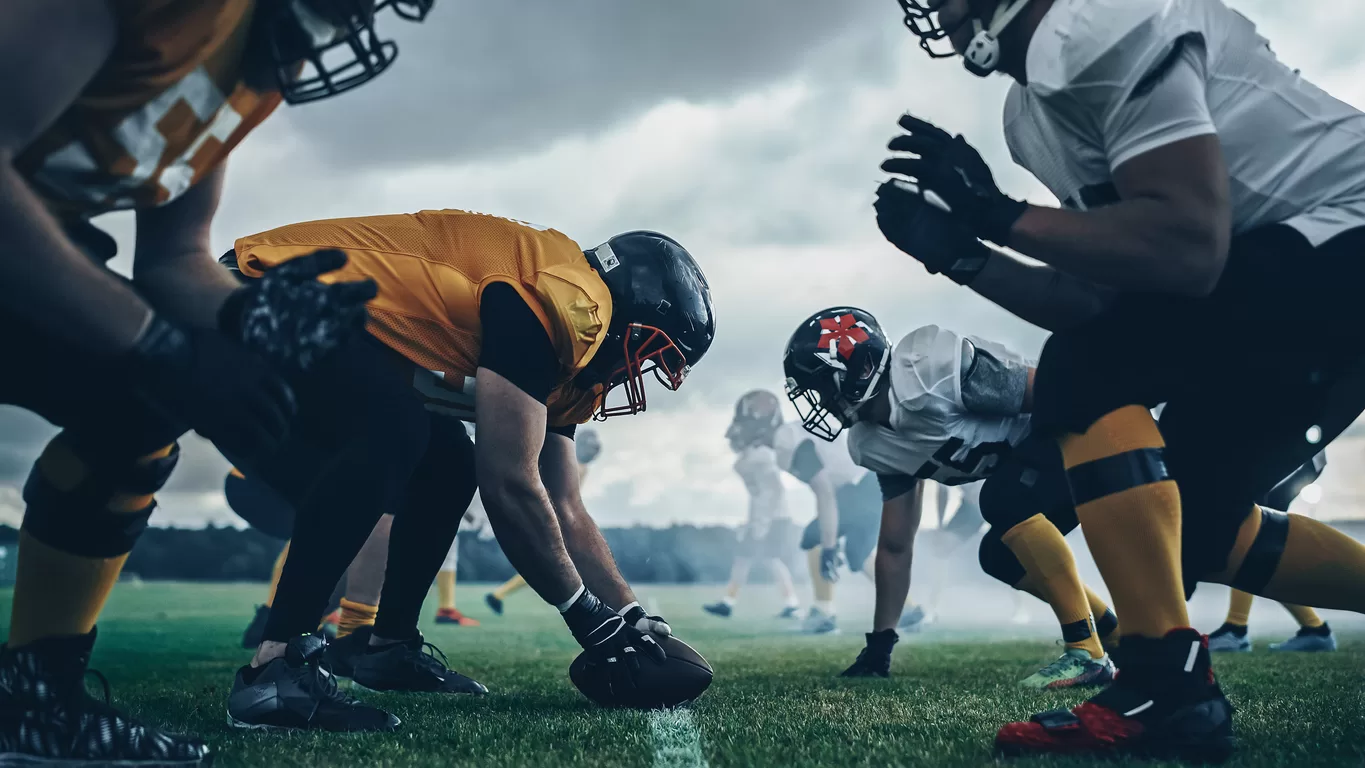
825 606
729 601
792 602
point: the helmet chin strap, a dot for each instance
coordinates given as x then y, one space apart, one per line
983 52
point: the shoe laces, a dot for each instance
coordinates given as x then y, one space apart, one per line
1059 664
430 658
316 677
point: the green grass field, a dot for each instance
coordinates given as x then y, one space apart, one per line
170 650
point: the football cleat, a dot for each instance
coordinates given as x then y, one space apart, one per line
1073 669
330 623
411 667
819 623
1309 640
790 612
1165 705
874 660
494 603
48 718
297 692
914 619
342 652
255 631
453 616
721 609
1229 639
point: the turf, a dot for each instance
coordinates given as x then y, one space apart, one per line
170 651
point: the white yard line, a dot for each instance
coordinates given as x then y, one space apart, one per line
677 742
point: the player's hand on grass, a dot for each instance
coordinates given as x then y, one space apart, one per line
215 386
637 617
291 318
875 658
830 560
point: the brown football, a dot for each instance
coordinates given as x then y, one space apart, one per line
682 678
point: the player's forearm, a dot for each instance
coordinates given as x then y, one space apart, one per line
190 287
529 535
47 281
592 557
892 579
1038 293
1142 245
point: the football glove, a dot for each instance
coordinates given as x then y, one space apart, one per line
291 318
939 242
219 388
610 640
830 560
874 660
950 174
638 618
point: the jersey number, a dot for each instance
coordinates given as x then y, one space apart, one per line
945 469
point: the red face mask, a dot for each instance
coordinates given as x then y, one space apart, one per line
645 349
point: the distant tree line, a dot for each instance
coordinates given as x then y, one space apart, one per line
682 554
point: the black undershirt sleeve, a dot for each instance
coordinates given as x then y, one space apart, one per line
515 344
806 462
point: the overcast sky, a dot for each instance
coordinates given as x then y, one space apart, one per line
750 130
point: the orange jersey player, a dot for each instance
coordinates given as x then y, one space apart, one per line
134 105
476 318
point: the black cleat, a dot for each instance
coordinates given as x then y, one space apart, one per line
296 692
48 718
411 667
874 660
341 653
255 631
721 609
494 603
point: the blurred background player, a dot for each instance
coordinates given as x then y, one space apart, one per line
587 447
476 521
767 533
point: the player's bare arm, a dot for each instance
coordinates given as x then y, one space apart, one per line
1038 293
518 504
48 54
173 266
582 539
895 552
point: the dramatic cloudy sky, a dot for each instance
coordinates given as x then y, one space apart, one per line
751 131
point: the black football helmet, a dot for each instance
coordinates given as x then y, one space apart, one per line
833 363
758 414
662 319
319 48
988 17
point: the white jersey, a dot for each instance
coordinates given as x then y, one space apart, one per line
932 435
1109 80
804 456
757 466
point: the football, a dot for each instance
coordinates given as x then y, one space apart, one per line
682 678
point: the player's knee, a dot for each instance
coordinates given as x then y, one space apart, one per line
1002 504
94 503
997 561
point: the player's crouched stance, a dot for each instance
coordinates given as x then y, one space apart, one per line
479 319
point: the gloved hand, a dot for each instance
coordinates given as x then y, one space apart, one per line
874 660
611 641
951 175
928 234
638 618
217 387
290 317
830 560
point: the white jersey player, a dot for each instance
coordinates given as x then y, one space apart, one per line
1218 198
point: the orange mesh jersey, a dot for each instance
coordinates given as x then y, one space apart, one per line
164 110
432 268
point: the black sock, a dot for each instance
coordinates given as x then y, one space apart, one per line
1236 630
1106 623
1322 630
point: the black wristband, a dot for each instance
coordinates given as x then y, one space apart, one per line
999 220
969 263
586 614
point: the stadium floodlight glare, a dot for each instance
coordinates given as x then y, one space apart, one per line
1311 493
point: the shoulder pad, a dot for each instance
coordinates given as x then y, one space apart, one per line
1104 42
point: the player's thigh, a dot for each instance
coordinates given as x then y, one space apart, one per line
444 479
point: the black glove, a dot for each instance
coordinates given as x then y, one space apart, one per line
217 387
290 317
875 659
949 174
610 641
830 560
640 619
934 238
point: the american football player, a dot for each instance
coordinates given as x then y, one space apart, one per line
1207 256
949 408
475 520
480 319
758 414
587 447
135 106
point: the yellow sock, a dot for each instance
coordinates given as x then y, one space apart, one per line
1050 570
354 616
275 575
1130 515
824 590
509 586
1298 561
445 589
1239 608
1305 616
57 593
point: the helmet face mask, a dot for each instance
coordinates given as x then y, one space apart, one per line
834 363
758 414
644 349
321 48
981 54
